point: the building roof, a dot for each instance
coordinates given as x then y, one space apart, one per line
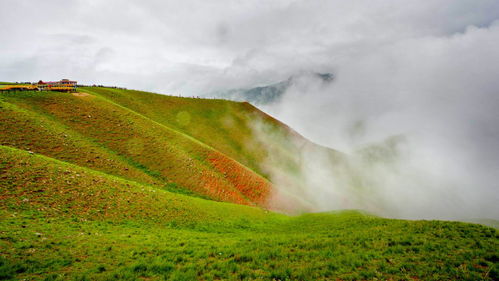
57 82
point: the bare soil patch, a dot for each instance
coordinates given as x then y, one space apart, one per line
78 94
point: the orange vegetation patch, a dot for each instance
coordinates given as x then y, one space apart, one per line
219 189
254 187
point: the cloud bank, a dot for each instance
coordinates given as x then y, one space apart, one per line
440 94
194 47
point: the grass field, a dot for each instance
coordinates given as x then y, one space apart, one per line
95 132
344 246
121 185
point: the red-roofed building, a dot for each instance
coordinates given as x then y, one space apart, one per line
63 85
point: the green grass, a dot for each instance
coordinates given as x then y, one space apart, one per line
110 197
345 246
94 132
203 147
222 124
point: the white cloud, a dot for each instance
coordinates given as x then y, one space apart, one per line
257 40
441 93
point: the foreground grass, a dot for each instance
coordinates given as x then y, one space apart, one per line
342 246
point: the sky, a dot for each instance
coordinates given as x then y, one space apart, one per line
193 47
427 70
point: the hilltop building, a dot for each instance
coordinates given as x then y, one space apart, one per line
63 85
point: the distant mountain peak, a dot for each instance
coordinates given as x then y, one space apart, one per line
271 93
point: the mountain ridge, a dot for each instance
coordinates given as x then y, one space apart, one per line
271 93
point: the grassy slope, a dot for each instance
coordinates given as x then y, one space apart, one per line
94 132
60 221
212 148
229 130
238 130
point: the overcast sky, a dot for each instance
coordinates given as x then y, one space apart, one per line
193 47
428 70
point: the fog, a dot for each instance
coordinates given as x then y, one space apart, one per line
422 74
438 96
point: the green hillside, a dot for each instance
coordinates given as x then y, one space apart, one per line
94 132
110 184
214 149
224 125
